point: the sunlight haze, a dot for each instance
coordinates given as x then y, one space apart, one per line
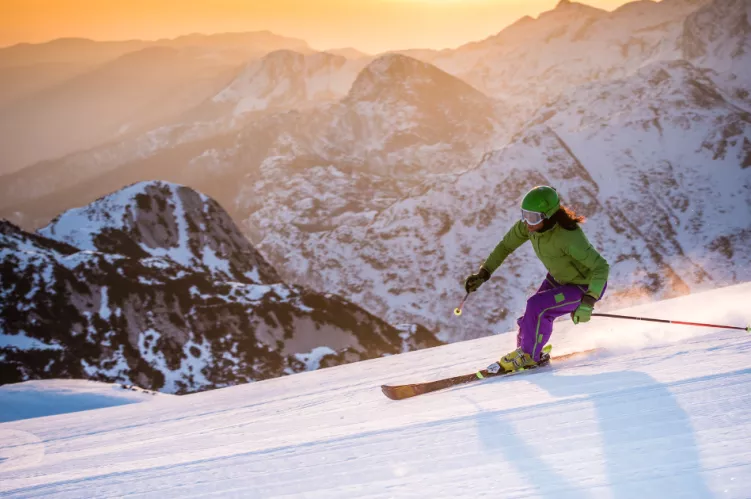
369 25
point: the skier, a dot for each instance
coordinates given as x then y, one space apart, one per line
576 280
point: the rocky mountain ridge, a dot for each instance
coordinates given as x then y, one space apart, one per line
163 292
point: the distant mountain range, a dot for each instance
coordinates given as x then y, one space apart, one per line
74 94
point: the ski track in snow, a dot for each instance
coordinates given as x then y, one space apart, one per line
664 411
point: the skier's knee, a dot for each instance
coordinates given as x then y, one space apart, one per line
534 305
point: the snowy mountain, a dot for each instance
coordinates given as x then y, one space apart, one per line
405 115
658 162
663 411
401 116
155 286
164 221
534 60
285 80
526 65
329 198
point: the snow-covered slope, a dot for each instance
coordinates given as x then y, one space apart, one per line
35 399
663 412
154 285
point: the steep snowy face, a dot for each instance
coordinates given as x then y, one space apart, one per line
658 162
288 80
158 219
687 185
128 310
718 36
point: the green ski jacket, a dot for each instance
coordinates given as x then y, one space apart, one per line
567 254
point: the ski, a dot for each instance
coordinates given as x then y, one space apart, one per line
399 392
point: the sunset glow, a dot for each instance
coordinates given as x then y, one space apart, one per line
369 25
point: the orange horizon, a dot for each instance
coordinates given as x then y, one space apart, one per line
371 26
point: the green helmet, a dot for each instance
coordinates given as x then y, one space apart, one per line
542 199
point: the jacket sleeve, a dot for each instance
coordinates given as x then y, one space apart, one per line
515 237
580 249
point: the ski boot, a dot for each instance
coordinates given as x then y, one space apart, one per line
518 360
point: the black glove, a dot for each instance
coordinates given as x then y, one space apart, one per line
474 281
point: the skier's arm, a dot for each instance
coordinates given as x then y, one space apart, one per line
515 237
583 252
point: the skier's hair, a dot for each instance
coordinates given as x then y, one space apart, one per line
567 218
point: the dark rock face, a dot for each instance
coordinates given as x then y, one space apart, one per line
155 286
164 220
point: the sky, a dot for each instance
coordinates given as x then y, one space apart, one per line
369 25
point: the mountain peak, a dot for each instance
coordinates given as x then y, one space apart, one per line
286 79
567 6
523 20
393 61
398 75
164 220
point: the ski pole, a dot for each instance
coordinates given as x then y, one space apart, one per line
665 321
458 310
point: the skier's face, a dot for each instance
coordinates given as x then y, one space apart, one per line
536 227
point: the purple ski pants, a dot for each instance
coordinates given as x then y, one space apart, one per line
551 300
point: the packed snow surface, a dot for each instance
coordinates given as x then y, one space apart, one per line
33 399
663 411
